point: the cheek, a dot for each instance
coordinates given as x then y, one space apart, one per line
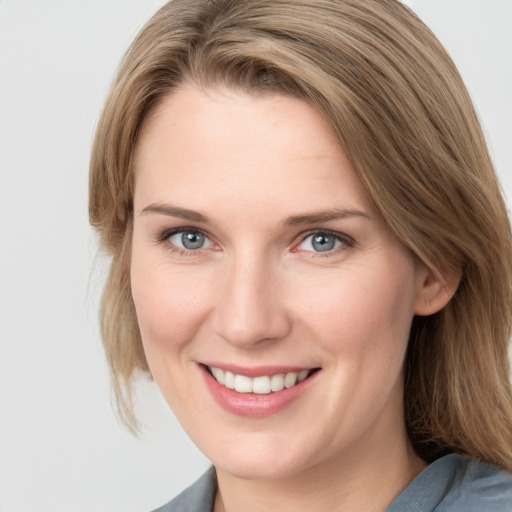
358 311
170 303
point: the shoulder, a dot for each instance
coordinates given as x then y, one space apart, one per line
478 486
454 483
199 497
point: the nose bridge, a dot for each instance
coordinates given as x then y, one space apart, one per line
249 309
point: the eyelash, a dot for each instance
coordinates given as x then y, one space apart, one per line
346 241
163 238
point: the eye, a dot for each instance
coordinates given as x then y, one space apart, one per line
323 241
189 240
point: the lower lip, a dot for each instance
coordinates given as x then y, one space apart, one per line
253 405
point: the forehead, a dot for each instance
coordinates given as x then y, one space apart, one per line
223 144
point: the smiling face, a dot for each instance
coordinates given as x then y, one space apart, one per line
258 257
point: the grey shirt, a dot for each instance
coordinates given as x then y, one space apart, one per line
452 483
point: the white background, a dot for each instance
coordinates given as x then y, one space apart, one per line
61 448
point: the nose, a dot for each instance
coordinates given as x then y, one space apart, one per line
250 308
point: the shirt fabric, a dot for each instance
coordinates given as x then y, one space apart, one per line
450 484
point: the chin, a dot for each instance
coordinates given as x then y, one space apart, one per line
257 469
255 461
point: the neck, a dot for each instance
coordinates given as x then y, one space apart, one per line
367 477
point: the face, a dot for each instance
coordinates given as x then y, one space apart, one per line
259 263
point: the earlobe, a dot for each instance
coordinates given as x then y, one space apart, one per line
435 291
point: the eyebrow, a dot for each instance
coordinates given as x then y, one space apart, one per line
324 216
174 211
295 220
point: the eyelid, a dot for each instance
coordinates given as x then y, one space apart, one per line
346 240
163 238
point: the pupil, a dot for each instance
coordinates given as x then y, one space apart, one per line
192 240
323 243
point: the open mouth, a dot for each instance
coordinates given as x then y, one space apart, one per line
262 385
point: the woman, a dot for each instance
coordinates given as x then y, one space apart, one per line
311 257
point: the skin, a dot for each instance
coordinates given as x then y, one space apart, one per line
257 293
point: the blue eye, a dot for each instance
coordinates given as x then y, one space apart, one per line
321 242
190 240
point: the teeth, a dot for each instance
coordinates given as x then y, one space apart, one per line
219 375
302 375
243 384
229 379
277 382
290 380
259 385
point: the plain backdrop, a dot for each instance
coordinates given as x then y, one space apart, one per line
61 448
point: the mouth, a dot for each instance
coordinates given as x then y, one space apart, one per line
257 392
262 384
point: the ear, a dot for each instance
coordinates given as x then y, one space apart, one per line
434 290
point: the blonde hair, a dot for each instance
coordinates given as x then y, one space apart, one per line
404 117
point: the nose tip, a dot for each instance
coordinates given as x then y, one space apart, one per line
250 309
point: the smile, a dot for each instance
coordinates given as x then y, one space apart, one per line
262 385
257 392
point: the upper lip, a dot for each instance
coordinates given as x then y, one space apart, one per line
257 371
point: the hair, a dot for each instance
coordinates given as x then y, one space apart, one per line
405 119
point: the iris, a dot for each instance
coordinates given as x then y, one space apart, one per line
192 240
323 242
